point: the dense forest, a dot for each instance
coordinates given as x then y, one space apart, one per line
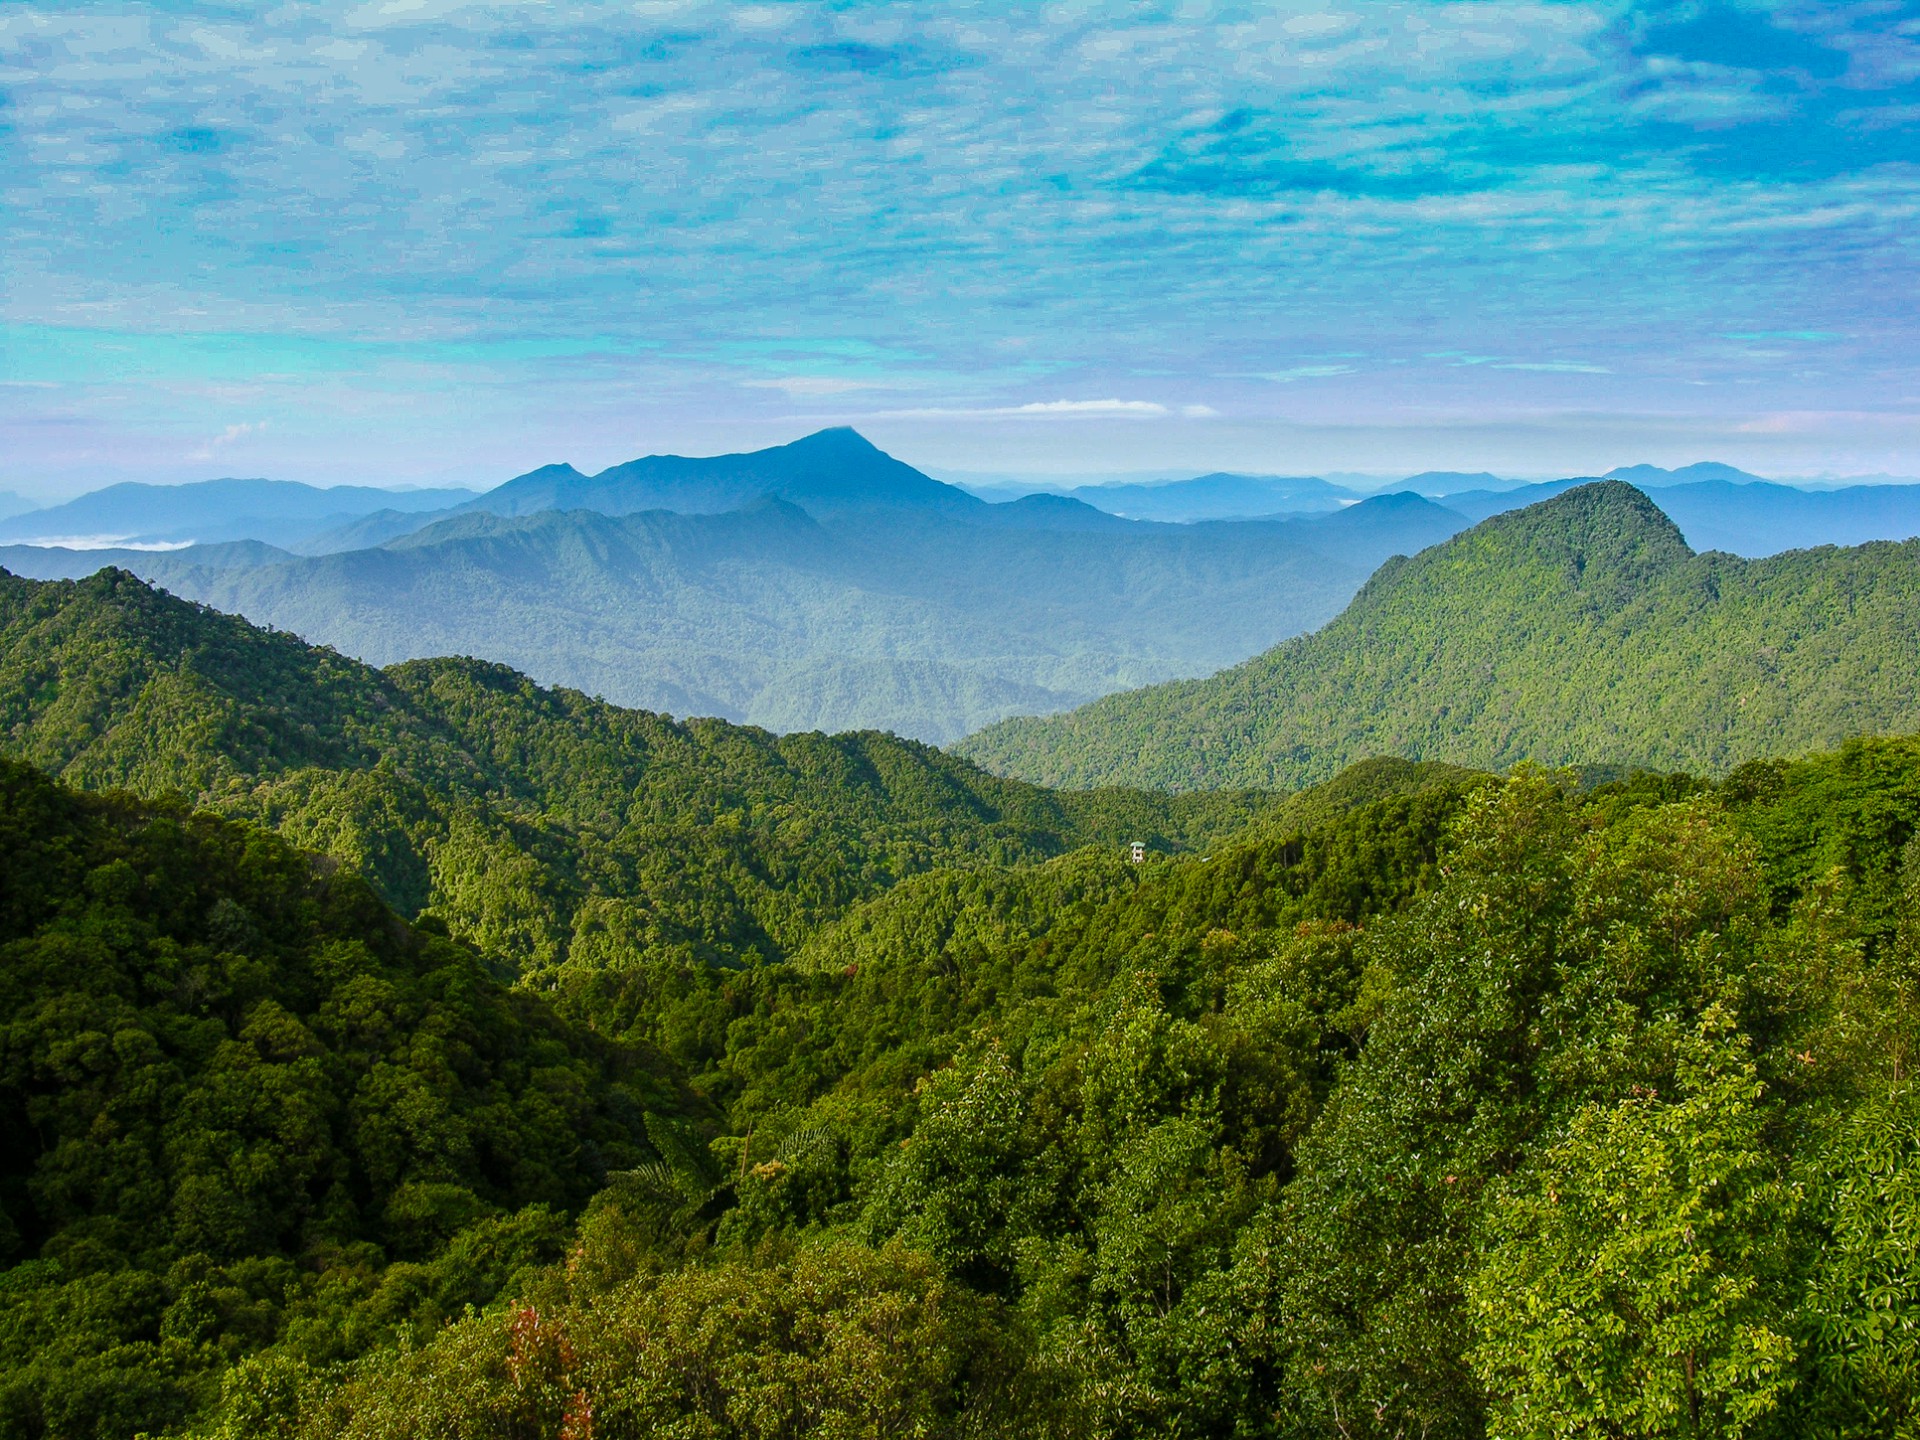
586 1073
243 1105
1581 630
1491 1107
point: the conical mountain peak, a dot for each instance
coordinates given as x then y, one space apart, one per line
837 440
829 470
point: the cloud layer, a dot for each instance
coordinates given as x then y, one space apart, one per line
444 237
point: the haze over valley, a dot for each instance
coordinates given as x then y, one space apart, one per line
825 585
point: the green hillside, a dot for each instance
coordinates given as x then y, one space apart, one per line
733 1086
1485 1101
242 1105
539 824
1581 630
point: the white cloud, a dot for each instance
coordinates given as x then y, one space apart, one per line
1088 407
1039 410
801 386
227 437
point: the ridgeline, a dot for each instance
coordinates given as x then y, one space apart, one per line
1581 630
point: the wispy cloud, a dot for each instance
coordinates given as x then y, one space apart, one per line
1554 367
1048 410
227 437
1305 372
443 223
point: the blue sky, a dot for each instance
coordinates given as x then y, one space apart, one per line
412 241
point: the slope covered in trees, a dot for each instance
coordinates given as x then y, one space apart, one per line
538 824
1580 630
1490 1107
243 1106
858 1095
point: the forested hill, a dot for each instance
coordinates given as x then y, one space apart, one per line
1579 630
1485 1102
540 824
241 1103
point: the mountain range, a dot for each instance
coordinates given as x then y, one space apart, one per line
420 1051
825 584
1580 629
1218 496
274 511
904 604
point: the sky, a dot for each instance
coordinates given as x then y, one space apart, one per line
426 241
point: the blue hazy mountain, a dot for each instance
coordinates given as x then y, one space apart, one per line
1048 512
12 504
921 621
823 473
1219 496
276 511
1439 484
1756 517
1652 475
1478 505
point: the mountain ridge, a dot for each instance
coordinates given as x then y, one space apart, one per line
451 783
274 511
1582 629
828 471
917 621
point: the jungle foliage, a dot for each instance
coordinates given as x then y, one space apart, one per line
1428 1103
243 1105
1578 631
1490 1107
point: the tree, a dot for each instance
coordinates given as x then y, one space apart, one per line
1626 1290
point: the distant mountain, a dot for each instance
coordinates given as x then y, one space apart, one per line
825 473
364 531
1743 517
276 511
1438 484
918 621
51 562
1646 475
1757 517
1400 523
12 504
1580 629
1218 496
1048 512
1477 505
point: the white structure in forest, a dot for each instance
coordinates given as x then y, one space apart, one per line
1139 851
